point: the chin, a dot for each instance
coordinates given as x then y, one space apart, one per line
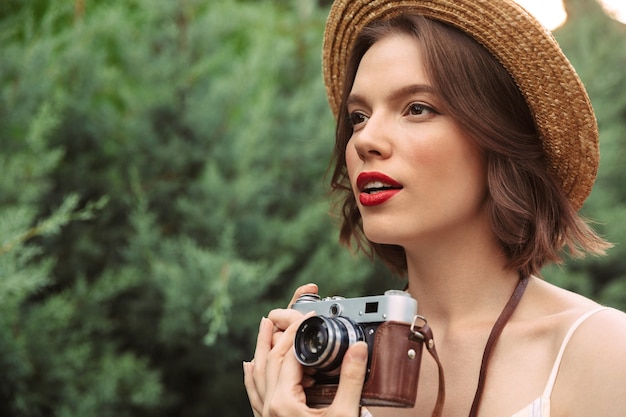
382 237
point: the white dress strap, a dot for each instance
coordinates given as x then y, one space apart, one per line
547 393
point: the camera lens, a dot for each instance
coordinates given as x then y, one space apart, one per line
314 341
322 341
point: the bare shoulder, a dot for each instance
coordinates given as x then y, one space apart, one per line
592 377
601 331
600 337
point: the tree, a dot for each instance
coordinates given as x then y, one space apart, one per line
206 128
596 45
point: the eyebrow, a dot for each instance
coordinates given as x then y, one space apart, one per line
397 94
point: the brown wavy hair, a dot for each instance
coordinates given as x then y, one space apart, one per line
529 212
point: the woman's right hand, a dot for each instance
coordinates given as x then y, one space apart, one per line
275 381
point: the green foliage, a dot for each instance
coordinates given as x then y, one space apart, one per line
45 345
164 187
596 45
206 128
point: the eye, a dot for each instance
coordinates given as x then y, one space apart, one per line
420 109
356 118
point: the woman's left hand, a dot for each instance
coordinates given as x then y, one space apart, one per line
275 380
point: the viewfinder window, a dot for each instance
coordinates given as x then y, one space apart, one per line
371 307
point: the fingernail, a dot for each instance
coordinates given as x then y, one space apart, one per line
261 323
308 382
360 354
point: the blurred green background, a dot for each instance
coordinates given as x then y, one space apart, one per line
163 185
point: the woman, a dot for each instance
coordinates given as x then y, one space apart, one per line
465 147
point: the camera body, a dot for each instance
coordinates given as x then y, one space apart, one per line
394 305
383 322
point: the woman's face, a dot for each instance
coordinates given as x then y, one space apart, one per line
415 174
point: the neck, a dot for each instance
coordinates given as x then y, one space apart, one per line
463 283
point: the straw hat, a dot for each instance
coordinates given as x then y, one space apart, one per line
553 91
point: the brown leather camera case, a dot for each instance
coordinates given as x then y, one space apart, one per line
394 371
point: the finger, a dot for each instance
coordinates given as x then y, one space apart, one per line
292 374
288 398
289 389
276 337
284 342
253 396
283 317
351 379
303 289
282 348
263 347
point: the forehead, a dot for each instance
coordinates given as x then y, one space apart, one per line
391 63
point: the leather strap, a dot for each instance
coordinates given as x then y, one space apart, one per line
493 338
426 333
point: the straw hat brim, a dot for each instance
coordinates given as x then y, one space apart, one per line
554 92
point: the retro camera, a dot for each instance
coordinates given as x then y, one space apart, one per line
383 322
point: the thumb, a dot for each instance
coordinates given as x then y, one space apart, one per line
352 377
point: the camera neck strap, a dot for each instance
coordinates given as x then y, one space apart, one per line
504 317
425 333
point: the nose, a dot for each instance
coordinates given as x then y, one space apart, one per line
373 140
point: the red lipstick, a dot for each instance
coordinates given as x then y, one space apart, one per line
376 188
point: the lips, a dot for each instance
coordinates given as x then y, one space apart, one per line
376 188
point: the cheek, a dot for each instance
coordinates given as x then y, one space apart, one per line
454 163
471 176
352 160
